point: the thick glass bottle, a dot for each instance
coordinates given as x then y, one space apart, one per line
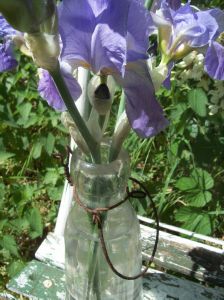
88 275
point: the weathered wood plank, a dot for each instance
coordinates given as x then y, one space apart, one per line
52 250
43 282
178 230
161 286
188 257
38 281
197 260
7 296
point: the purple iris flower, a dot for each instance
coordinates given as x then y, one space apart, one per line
111 37
49 92
173 4
181 28
7 58
214 61
46 86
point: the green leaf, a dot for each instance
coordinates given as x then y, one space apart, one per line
203 178
35 221
8 242
200 199
20 224
51 176
178 110
186 183
50 141
15 267
195 220
24 110
5 155
198 100
37 148
2 191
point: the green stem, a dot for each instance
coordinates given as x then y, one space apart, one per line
148 4
94 147
93 270
116 141
121 105
96 282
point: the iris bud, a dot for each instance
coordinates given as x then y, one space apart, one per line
27 15
74 132
38 19
44 49
100 95
158 75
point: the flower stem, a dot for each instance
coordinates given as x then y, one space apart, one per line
93 146
148 4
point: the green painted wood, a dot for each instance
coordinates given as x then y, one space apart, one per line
175 253
43 282
39 281
7 296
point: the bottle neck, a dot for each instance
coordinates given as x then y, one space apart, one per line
98 198
100 185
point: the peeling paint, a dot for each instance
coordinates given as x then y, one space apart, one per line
60 295
22 280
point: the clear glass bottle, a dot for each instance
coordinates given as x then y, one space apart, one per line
88 275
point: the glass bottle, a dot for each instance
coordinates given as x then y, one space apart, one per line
88 275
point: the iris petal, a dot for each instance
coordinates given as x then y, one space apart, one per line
49 92
104 33
195 29
108 46
76 25
6 29
214 61
140 27
7 59
144 112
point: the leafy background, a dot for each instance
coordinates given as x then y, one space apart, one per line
182 167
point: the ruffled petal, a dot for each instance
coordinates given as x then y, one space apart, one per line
173 4
144 112
6 29
140 26
108 46
194 28
7 59
101 34
214 61
49 92
190 28
218 14
76 26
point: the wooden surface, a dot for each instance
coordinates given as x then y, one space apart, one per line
43 282
191 258
175 253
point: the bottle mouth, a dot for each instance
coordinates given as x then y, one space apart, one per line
83 162
101 181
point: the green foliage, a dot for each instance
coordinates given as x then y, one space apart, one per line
198 101
183 167
31 179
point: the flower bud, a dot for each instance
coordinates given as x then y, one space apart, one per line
101 94
27 15
121 131
74 132
44 48
158 75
